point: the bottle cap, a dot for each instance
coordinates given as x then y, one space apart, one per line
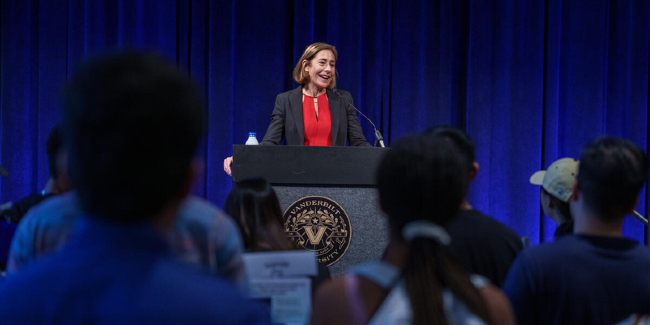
251 134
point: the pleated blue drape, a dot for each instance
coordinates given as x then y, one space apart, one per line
530 81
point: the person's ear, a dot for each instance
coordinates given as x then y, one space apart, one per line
550 204
305 65
546 200
474 172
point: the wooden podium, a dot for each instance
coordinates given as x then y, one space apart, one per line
346 175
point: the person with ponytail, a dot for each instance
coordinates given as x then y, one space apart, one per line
421 182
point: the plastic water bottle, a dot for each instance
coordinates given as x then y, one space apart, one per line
252 140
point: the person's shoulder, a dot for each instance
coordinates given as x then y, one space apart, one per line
32 283
197 214
202 294
285 95
642 252
66 203
480 222
19 299
331 295
476 215
331 288
328 294
194 207
199 298
58 210
498 305
197 210
552 251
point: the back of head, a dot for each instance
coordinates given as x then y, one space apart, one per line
612 173
132 123
425 179
421 178
459 138
254 206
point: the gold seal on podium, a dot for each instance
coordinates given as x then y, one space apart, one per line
319 224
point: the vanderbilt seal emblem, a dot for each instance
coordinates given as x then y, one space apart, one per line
319 224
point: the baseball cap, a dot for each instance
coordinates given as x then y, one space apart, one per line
558 179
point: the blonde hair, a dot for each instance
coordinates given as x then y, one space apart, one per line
299 73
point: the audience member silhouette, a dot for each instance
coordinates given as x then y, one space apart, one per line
556 188
132 123
58 183
594 276
422 182
479 243
254 206
201 235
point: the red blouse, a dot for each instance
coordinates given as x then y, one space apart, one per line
318 130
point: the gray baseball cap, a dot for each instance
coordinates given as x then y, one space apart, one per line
558 179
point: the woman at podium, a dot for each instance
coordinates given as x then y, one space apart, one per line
313 114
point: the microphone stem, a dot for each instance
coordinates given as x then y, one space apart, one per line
378 137
640 217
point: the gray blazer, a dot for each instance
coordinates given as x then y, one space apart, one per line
287 120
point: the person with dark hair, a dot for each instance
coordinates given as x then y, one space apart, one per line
595 276
58 183
479 243
132 123
254 206
556 188
422 182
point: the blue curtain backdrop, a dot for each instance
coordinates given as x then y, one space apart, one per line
530 81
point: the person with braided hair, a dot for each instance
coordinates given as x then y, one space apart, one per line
422 182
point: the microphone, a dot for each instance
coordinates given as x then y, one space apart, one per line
378 137
640 217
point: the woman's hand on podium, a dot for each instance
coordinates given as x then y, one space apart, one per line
227 164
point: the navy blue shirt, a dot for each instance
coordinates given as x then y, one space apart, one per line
580 279
116 274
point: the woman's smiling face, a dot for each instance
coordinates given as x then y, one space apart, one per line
321 69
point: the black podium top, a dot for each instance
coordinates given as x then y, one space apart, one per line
289 165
